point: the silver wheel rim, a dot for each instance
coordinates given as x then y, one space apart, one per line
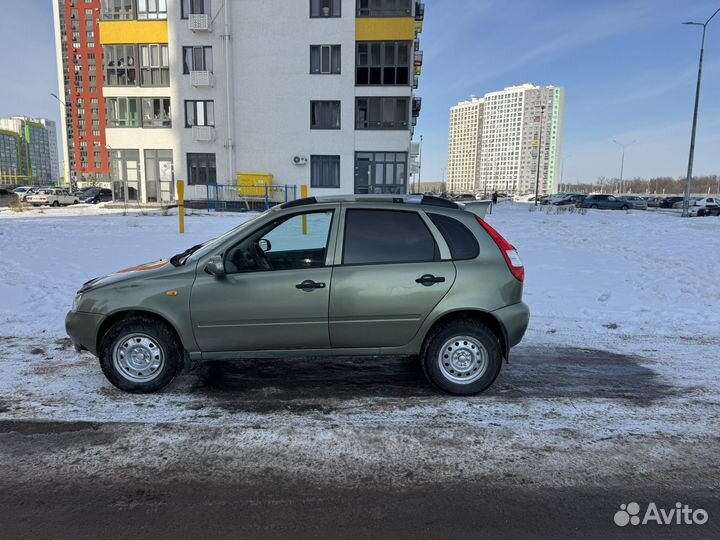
463 359
138 358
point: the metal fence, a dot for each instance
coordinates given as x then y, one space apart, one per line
248 198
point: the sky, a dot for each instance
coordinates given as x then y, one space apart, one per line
629 68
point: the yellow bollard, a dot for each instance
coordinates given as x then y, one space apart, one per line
181 205
304 195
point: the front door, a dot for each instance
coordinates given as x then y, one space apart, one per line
274 295
389 280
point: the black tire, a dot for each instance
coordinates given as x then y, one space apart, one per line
624 207
594 206
430 356
56 203
160 333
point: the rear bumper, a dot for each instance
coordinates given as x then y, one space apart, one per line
515 320
82 328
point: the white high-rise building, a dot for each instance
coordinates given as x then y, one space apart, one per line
306 92
464 145
508 141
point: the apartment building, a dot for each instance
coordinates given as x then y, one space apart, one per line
464 145
28 151
509 140
80 82
313 92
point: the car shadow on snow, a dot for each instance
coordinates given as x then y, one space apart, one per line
533 372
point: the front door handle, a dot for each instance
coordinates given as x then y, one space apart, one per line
309 285
429 280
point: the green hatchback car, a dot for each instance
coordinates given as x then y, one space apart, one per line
411 276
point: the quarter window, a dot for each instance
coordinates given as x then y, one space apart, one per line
325 8
462 243
197 59
324 115
324 59
383 63
387 236
382 113
199 113
325 171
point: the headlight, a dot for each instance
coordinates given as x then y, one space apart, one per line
76 302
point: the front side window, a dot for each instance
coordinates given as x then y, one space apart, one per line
194 7
325 171
325 8
294 243
151 10
123 112
324 115
324 59
384 8
199 113
383 63
120 65
197 59
201 169
156 113
387 236
382 113
154 65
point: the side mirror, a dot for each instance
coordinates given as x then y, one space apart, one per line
215 266
265 244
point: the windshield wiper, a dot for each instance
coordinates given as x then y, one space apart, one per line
180 258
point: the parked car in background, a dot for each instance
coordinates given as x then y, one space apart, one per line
545 199
96 195
680 203
463 197
669 202
605 202
568 200
703 206
366 263
23 191
638 203
52 197
7 197
653 202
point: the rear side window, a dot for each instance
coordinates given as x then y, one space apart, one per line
386 236
462 243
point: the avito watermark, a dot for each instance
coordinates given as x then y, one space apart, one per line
681 514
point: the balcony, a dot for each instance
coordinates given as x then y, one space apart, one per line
416 106
419 11
416 82
417 71
201 79
199 22
418 26
203 133
418 58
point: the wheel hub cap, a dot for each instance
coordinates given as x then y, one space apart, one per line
463 359
138 358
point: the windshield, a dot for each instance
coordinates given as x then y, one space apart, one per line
202 249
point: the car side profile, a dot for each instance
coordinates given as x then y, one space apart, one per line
339 276
605 202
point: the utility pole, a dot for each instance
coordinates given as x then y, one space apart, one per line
537 177
622 162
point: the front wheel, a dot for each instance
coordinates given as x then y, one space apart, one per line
140 355
624 207
462 358
56 203
595 206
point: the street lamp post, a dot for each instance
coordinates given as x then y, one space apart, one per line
537 176
686 201
622 161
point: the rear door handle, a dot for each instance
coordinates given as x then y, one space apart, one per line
309 285
429 280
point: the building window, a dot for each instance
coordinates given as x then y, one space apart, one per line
380 172
199 113
324 115
194 7
126 174
325 8
156 113
154 65
120 65
123 112
383 63
115 10
324 59
325 171
201 169
159 184
382 113
384 8
197 59
151 10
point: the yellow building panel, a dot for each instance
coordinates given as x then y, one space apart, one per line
385 29
126 32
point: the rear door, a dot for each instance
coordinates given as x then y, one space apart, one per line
388 277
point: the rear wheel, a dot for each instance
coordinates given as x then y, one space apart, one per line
56 203
624 207
462 357
594 206
140 355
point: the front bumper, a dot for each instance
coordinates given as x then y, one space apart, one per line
515 320
83 329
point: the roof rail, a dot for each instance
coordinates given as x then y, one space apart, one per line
398 199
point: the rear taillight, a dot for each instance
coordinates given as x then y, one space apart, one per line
512 258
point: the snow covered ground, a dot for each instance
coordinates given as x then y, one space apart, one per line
617 379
